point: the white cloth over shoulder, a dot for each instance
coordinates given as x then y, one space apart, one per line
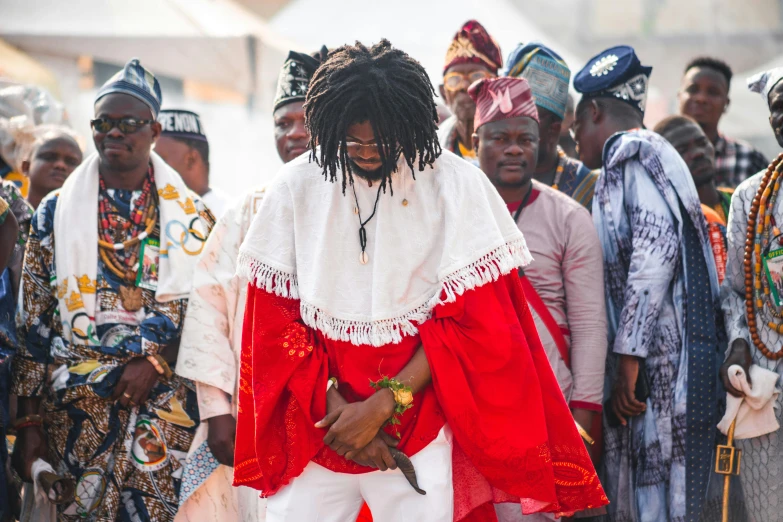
76 218
755 411
454 234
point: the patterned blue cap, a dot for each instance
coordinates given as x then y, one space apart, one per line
546 72
134 80
615 73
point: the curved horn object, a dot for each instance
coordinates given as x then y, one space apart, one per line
406 466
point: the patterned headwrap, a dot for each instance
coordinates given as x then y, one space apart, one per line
134 80
294 78
473 44
764 82
502 98
546 72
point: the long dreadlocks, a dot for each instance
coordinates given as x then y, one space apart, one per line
381 85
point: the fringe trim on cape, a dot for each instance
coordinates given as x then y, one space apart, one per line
487 269
266 278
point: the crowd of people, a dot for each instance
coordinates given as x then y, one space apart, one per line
560 313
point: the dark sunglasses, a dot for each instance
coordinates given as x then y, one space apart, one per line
126 125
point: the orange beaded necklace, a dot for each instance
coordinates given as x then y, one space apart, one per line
561 157
760 233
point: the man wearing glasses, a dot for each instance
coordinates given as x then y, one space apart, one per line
108 271
472 56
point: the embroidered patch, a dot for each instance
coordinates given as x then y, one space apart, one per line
190 238
604 66
168 192
149 267
148 451
634 90
773 266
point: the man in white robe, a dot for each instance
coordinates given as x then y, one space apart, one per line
212 336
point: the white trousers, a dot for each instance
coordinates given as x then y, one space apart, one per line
321 495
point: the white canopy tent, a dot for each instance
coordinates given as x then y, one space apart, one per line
214 41
422 28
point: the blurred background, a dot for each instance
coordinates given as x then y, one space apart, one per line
220 58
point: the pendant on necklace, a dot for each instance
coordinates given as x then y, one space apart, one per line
356 210
404 202
364 258
130 296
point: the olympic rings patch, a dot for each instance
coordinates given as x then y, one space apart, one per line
182 238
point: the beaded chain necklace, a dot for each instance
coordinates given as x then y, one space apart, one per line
762 231
561 157
122 258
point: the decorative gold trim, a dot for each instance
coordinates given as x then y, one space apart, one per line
462 47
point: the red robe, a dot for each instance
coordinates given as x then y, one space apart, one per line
514 437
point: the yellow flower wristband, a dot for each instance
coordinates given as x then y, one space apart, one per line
403 397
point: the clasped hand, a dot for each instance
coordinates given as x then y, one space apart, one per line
136 382
355 431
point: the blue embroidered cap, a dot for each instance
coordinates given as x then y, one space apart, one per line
615 73
134 80
546 72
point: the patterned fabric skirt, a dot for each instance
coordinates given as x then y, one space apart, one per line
126 464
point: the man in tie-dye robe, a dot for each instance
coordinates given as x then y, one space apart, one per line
662 304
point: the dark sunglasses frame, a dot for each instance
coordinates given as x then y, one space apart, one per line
126 125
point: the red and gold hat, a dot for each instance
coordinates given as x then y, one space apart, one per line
502 98
473 44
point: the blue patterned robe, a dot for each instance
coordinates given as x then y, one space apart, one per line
126 462
646 210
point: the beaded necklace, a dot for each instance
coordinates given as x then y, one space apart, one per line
122 258
760 235
561 157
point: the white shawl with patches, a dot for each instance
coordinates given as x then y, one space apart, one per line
182 235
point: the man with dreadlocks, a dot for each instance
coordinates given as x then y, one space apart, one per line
383 320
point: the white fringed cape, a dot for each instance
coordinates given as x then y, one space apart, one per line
454 234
